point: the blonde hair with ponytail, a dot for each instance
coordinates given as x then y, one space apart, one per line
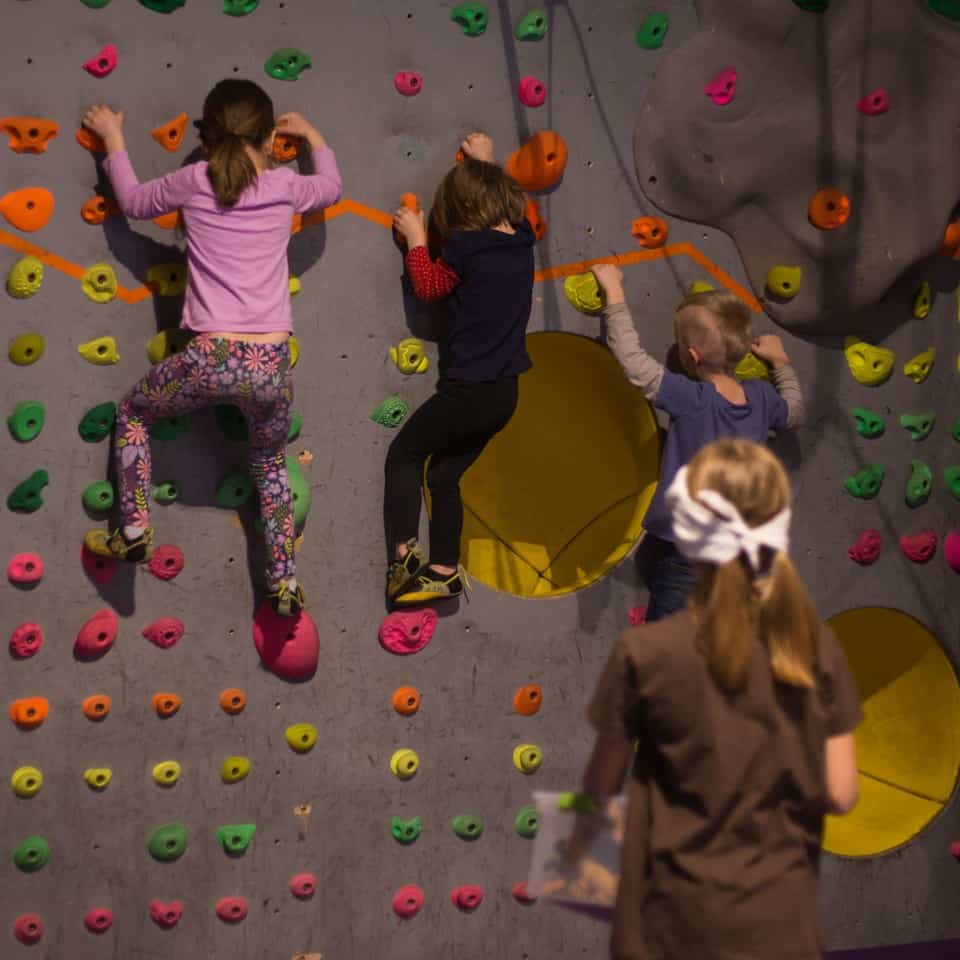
735 607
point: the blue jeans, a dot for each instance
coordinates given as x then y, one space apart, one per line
670 580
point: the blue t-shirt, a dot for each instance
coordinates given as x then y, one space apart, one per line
698 416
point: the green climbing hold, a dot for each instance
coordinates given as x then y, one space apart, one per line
391 413
946 8
918 425
95 4
236 838
168 842
234 491
296 425
26 349
951 476
26 421
300 488
919 484
239 8
165 493
532 26
577 802
26 496
472 17
869 424
405 831
97 422
467 827
813 6
231 421
32 854
866 484
98 497
287 64
169 428
653 31
163 6
25 278
527 821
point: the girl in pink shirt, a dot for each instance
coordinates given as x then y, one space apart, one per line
237 213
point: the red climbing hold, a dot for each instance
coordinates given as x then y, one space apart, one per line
875 103
26 640
521 895
951 550
288 646
96 636
166 562
231 909
28 928
408 901
303 885
920 547
103 63
723 87
164 632
99 569
637 615
466 898
25 569
866 549
408 83
166 915
532 92
98 920
408 631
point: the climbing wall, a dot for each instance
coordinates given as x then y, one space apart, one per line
157 758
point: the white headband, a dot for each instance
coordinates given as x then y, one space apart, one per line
709 528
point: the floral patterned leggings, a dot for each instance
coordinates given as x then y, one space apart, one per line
253 376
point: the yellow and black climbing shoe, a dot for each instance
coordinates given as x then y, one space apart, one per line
430 586
287 602
401 572
116 545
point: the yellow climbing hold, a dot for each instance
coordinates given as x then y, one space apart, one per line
784 282
700 286
922 301
167 279
294 351
102 351
918 368
409 357
583 292
869 364
98 778
167 773
752 367
294 286
404 764
25 278
99 283
234 769
26 781
301 737
527 757
26 349
166 343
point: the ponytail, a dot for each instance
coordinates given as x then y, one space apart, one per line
230 170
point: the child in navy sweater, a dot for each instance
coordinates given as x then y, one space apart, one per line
485 272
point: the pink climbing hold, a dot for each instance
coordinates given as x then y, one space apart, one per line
723 87
96 636
955 850
521 895
28 928
231 909
532 92
164 632
26 640
638 615
166 562
951 550
920 547
25 569
466 898
288 646
166 915
98 920
408 901
99 569
408 83
103 63
303 885
407 631
866 549
875 103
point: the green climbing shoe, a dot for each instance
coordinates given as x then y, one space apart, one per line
116 545
429 586
402 572
287 602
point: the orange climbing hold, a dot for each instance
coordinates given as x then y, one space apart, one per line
96 707
28 209
285 147
90 141
410 201
29 712
951 240
170 135
232 701
169 221
650 232
532 214
29 134
297 224
540 162
166 704
829 209
406 700
527 699
97 209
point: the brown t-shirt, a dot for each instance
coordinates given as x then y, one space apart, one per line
726 801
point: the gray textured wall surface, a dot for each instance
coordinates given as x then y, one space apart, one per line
349 312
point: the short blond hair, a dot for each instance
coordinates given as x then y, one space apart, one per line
719 328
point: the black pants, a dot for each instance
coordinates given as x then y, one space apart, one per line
451 428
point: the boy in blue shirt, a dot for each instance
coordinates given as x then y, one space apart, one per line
714 333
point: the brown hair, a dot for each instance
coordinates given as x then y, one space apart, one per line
734 606
476 195
235 113
721 330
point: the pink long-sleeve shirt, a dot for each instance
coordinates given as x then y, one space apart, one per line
238 280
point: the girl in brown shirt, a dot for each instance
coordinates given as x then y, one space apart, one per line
737 715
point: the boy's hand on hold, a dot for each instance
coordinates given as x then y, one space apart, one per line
296 125
105 123
478 146
770 349
412 226
610 280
